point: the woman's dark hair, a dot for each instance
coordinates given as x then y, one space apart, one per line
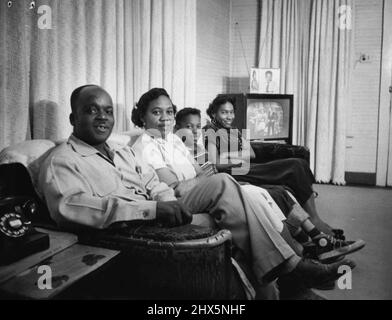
218 102
141 107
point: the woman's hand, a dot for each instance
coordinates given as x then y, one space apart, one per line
208 169
237 162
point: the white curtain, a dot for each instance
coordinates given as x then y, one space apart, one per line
302 38
330 65
126 46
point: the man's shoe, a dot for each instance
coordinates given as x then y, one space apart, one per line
327 249
314 274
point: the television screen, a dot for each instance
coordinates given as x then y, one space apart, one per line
268 119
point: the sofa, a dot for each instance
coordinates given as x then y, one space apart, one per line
239 278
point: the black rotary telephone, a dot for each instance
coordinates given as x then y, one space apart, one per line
18 238
18 207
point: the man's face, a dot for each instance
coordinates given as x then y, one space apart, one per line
268 77
93 119
191 126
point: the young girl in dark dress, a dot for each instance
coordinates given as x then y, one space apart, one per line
292 173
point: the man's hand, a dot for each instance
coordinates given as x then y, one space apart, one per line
173 213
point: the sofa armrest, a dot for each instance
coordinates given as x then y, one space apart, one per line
266 152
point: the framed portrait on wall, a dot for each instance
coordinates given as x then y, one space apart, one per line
265 81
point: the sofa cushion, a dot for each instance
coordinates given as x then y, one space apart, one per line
26 151
127 137
30 153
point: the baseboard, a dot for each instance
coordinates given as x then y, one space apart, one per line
361 178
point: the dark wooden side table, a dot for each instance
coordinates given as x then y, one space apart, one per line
69 262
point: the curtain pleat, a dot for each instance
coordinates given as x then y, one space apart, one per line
168 45
145 41
15 26
125 46
121 110
156 66
129 71
179 53
190 55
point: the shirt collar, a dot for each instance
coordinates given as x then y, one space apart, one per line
84 149
168 138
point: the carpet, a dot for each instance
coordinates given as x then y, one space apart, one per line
364 213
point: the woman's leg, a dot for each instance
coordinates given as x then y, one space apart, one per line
253 234
260 198
310 207
297 220
292 173
285 208
286 235
295 174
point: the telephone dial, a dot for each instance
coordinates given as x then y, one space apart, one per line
18 238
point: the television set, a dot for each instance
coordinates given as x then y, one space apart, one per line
268 117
